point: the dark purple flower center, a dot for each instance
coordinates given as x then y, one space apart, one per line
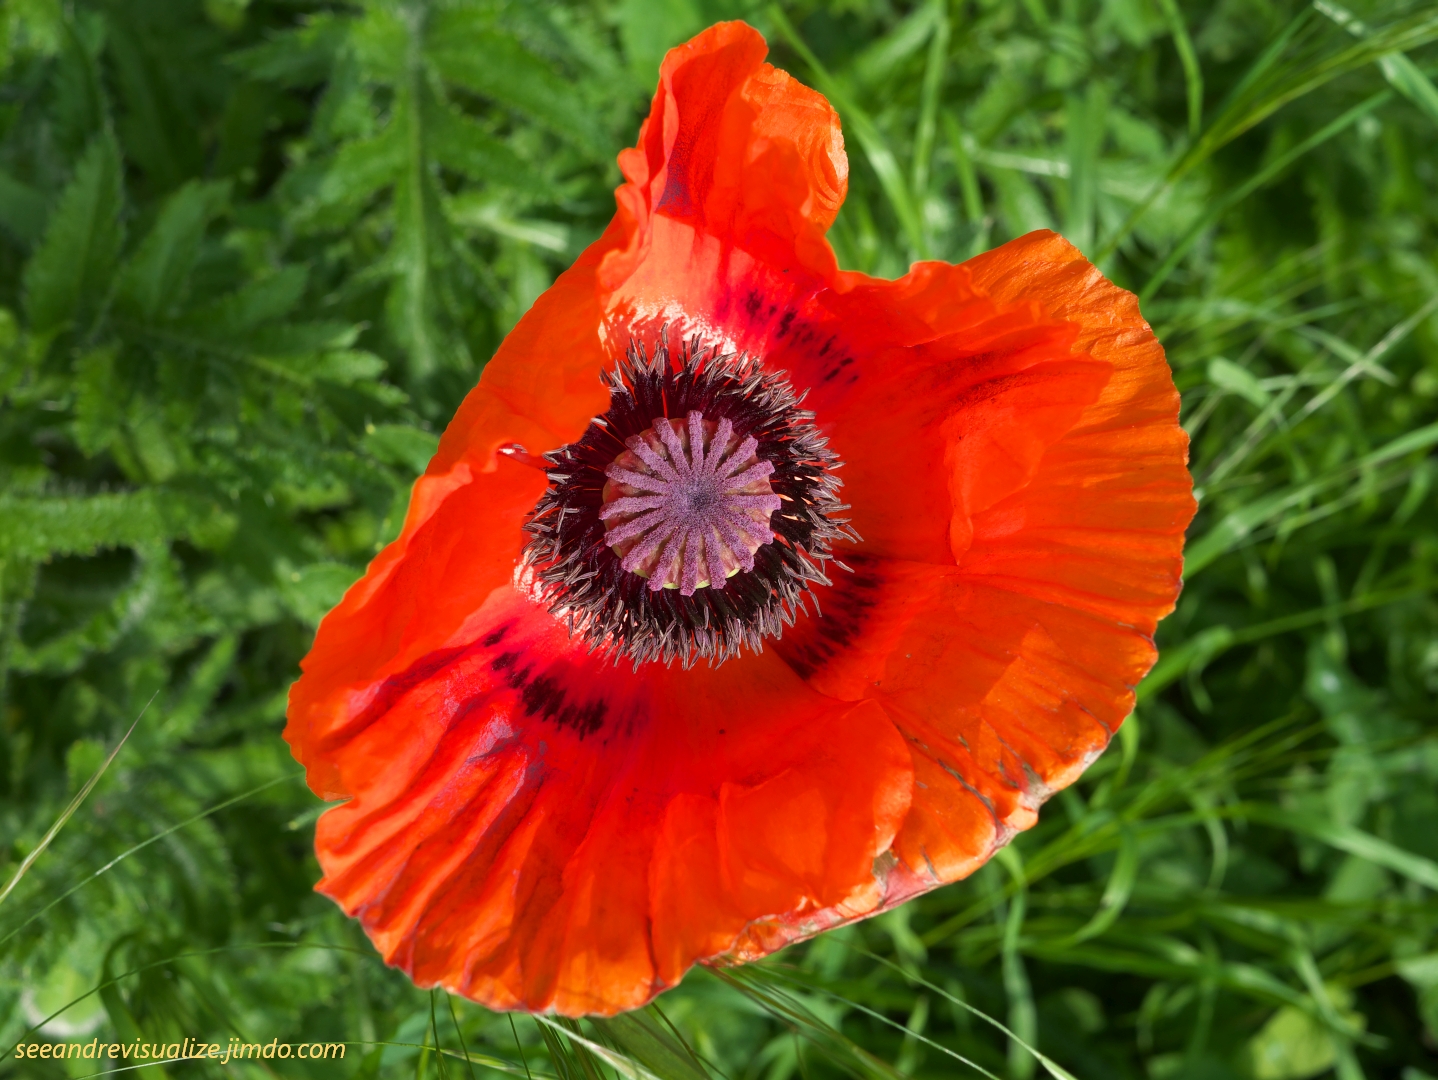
692 517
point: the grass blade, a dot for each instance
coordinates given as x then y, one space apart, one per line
1192 72
146 843
69 811
876 149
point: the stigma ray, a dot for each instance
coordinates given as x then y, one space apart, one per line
688 503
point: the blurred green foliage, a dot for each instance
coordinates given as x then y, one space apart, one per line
253 253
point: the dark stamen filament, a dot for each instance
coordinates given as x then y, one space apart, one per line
697 534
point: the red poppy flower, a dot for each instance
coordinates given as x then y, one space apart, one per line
629 692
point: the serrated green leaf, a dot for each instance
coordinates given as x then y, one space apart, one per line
458 143
206 679
69 275
261 301
22 209
468 52
359 171
380 38
80 108
304 340
152 280
407 447
99 400
299 56
155 120
411 307
39 527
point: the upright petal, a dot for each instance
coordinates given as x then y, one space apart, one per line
739 172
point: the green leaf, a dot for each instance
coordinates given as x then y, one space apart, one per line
154 122
1405 77
22 209
347 366
206 680
153 279
880 59
1087 119
1226 375
380 38
1116 892
99 401
412 306
304 340
39 527
257 302
458 143
359 171
1293 1045
298 56
484 60
70 273
480 211
408 448
1192 72
1419 970
312 590
650 28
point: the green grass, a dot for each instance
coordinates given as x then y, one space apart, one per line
252 254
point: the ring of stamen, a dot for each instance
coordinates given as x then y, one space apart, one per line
693 517
687 503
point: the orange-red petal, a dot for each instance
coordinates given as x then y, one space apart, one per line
738 173
536 828
1009 669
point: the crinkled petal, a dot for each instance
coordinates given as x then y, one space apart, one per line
536 828
739 172
1009 665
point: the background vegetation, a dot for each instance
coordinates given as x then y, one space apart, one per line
252 254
